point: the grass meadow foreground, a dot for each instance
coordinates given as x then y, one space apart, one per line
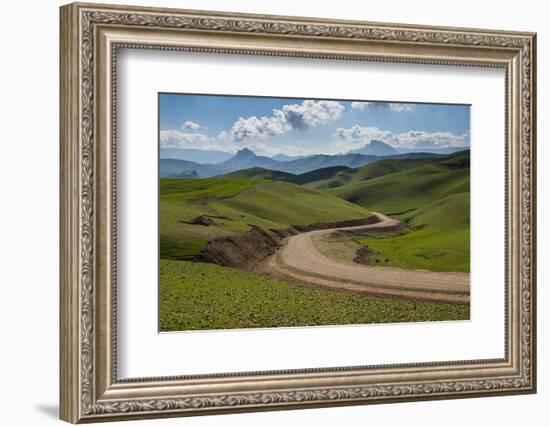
200 296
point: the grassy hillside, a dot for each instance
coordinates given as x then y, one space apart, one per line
196 296
439 241
432 195
261 173
449 212
319 174
426 249
372 170
398 193
233 204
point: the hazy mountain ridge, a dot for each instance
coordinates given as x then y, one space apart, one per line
442 151
285 158
376 148
195 155
176 168
305 178
247 159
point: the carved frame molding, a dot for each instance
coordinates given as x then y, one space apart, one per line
90 36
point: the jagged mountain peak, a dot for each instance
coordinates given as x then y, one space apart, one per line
245 152
376 147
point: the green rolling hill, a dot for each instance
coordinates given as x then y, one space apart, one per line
431 194
452 211
414 187
338 176
304 178
261 173
234 204
439 240
372 170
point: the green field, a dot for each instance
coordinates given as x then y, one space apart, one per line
196 296
398 193
448 212
369 171
234 204
428 249
261 173
431 195
439 240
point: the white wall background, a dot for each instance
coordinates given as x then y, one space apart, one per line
29 170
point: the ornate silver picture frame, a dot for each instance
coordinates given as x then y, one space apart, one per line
91 34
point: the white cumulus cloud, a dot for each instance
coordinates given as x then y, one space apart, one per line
223 136
357 136
360 105
189 125
311 113
398 107
432 139
183 140
292 116
254 128
177 139
392 106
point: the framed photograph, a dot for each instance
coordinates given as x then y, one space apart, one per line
267 212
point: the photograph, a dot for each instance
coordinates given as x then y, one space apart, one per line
292 212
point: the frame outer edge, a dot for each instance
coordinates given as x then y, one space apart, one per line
77 339
69 354
296 19
533 204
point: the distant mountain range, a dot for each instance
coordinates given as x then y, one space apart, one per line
247 159
216 157
376 148
444 151
176 168
340 176
194 155
285 158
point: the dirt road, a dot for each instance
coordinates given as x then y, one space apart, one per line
300 259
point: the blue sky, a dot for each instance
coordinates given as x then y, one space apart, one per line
297 126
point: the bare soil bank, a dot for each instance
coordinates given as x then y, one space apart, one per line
246 250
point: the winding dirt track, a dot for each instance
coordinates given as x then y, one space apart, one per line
300 259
